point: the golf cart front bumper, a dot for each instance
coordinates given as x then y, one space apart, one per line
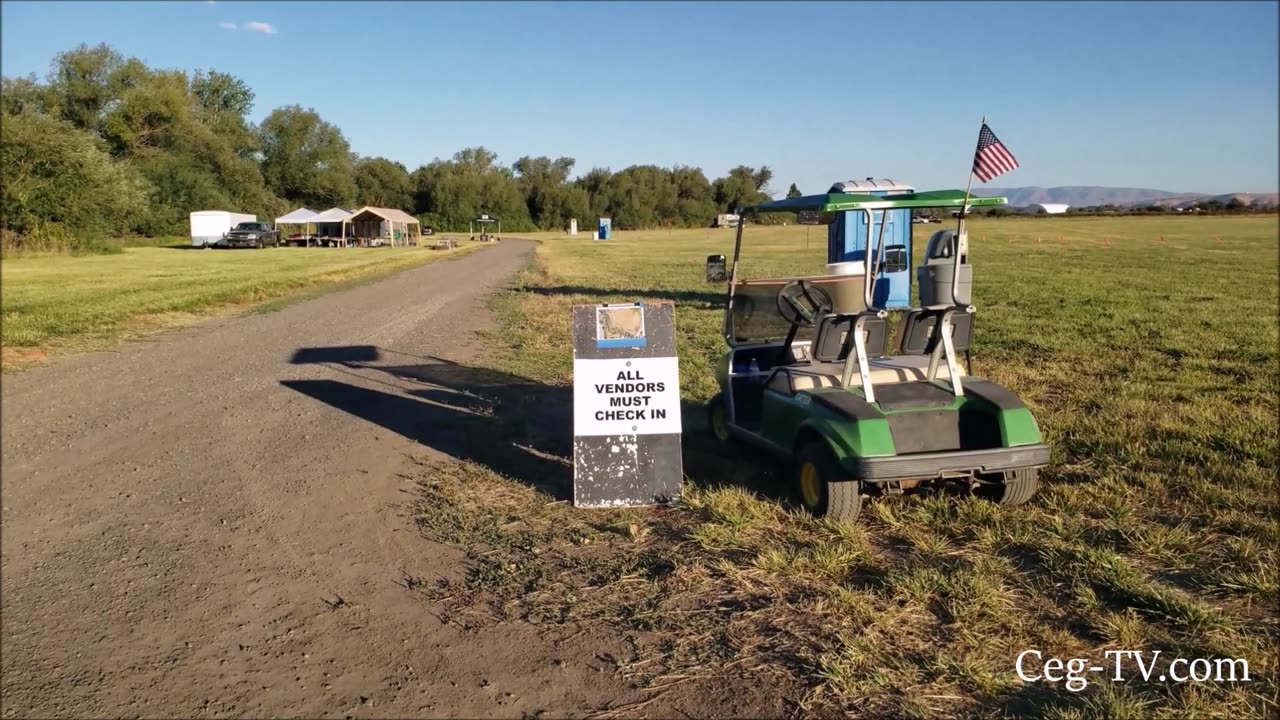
932 465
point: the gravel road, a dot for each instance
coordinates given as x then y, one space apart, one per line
184 533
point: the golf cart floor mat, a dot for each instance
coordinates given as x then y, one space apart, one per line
912 395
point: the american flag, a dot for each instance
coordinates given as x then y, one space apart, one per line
992 157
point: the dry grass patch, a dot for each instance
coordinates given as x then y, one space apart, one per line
1158 528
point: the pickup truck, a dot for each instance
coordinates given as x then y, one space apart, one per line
250 234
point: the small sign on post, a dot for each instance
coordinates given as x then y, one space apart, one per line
626 405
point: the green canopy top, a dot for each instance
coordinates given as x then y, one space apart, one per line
833 202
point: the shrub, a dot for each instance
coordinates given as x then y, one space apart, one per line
60 184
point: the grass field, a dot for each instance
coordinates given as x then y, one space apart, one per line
1147 349
58 303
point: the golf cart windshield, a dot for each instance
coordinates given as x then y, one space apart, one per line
755 317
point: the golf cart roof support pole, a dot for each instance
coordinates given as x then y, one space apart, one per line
733 276
859 331
868 280
875 270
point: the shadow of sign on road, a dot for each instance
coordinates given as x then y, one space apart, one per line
517 427
512 425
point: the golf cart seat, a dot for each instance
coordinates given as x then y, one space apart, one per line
917 336
832 346
884 371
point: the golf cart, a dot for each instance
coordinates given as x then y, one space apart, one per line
808 377
485 221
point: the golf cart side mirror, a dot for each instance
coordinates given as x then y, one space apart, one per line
716 269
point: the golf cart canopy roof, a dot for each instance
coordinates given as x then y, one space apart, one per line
834 202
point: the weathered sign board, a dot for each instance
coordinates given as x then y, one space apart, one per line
626 405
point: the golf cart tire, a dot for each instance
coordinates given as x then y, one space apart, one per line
839 495
1016 488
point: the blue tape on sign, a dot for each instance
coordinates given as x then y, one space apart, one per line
622 342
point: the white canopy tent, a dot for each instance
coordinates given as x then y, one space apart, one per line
300 217
330 223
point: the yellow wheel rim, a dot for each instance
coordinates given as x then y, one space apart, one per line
719 427
810 488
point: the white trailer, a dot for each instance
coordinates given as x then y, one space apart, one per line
208 226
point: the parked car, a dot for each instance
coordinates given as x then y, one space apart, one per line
250 234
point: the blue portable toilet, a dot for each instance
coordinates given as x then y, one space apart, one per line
606 227
847 240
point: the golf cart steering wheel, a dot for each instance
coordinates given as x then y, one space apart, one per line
801 303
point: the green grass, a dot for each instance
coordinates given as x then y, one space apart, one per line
60 303
1147 349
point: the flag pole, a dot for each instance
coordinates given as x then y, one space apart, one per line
962 242
964 209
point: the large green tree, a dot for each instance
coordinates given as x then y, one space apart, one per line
449 194
58 174
551 201
383 183
306 160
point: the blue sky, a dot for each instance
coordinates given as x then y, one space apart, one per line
1178 96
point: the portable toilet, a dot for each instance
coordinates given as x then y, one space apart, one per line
847 242
606 228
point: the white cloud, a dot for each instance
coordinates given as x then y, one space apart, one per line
227 26
264 28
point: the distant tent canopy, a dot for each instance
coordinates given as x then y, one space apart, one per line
300 219
384 223
301 216
329 223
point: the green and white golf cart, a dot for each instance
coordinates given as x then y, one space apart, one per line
808 378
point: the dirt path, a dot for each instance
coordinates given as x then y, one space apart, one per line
185 533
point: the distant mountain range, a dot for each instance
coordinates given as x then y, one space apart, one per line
1087 195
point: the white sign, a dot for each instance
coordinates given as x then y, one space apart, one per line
640 396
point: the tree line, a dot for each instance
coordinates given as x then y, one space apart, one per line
107 146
